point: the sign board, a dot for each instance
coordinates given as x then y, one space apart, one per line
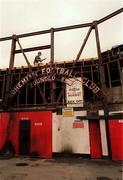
74 92
78 124
121 121
92 114
38 123
67 112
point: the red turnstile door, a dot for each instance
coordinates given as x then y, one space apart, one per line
95 139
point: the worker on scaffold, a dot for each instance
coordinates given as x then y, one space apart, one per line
38 59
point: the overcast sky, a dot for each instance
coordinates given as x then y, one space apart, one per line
23 16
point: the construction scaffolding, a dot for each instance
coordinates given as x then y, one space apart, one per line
53 92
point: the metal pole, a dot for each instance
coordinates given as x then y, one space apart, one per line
52 90
110 16
66 27
52 46
101 68
12 55
83 45
11 64
23 53
33 49
101 71
48 31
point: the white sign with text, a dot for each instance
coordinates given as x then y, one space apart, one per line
74 92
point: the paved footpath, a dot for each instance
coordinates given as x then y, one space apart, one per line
60 169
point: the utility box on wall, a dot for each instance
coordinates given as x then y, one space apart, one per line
30 133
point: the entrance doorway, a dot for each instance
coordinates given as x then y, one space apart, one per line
24 137
95 139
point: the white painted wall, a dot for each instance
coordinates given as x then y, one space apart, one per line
56 133
67 138
103 138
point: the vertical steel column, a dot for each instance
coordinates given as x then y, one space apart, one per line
101 67
120 71
3 88
11 64
12 55
110 84
35 95
52 47
109 75
52 94
101 70
82 83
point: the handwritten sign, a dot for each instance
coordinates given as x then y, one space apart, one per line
74 92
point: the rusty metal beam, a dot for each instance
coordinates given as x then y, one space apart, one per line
41 93
64 28
60 95
26 35
33 49
98 45
3 88
21 49
72 27
11 64
101 67
52 92
52 46
101 72
12 55
5 103
83 45
110 16
47 31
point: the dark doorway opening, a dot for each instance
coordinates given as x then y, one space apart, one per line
24 137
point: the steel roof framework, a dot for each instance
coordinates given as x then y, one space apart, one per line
92 26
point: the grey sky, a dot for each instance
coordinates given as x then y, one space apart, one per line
22 16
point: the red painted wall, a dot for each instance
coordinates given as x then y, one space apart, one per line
41 131
116 138
4 117
95 139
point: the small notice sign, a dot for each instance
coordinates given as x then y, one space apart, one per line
78 124
67 112
120 120
74 92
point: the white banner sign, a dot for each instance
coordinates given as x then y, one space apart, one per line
74 92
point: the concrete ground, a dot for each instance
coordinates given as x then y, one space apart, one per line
59 169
